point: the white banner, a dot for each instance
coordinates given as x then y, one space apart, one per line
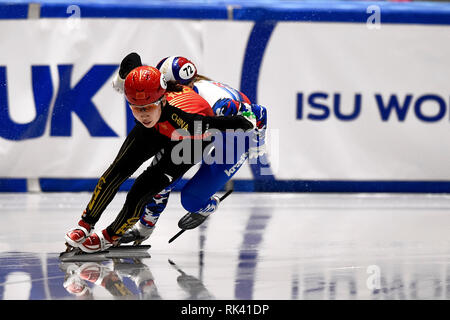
345 102
69 49
332 90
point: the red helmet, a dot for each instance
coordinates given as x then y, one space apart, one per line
144 85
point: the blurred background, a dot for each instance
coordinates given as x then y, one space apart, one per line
357 91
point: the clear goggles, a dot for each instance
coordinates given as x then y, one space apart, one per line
157 103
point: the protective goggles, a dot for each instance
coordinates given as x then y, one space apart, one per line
157 103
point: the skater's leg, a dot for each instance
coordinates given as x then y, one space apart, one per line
131 155
134 151
145 187
197 194
142 230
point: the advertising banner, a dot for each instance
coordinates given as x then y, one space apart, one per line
364 102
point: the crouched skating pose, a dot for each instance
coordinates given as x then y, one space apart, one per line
159 126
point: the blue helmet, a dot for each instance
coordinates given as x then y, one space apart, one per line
178 69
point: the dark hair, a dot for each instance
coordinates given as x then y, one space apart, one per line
174 87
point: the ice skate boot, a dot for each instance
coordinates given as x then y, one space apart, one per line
193 219
98 242
137 234
142 230
76 236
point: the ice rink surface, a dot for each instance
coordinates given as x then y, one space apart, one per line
257 246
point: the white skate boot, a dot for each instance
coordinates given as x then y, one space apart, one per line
137 234
97 242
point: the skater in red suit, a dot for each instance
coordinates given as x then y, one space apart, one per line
159 126
198 195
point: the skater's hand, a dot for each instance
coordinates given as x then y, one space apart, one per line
259 111
131 61
261 116
229 107
118 83
250 117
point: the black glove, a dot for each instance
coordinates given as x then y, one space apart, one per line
131 61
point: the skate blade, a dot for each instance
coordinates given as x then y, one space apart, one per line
76 255
69 248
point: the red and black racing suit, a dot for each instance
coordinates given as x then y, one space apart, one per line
143 143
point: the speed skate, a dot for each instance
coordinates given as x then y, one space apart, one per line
73 254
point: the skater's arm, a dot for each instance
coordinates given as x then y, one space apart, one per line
198 124
223 123
230 107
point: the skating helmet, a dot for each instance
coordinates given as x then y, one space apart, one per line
144 85
177 69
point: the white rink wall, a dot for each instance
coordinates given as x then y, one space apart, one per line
356 99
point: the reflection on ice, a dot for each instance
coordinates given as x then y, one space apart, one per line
257 246
43 276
